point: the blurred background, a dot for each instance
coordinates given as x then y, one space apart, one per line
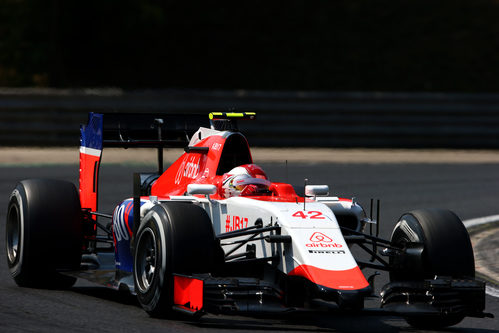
319 73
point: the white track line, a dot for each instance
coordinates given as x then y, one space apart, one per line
481 220
490 290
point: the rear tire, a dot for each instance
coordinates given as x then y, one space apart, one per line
447 252
173 237
43 233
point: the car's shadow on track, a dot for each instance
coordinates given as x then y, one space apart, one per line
297 321
321 322
122 297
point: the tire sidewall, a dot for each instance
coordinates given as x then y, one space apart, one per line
408 229
16 200
160 289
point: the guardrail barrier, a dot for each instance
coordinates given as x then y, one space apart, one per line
50 117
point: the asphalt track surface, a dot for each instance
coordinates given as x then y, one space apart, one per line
471 190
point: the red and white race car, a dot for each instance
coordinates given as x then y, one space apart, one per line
213 234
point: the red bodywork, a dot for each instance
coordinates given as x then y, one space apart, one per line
209 167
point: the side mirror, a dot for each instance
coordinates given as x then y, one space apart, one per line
205 189
316 190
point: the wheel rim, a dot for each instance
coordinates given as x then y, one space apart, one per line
13 234
145 260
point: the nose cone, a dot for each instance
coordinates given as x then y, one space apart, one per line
349 279
345 299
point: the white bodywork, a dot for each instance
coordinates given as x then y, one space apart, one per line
316 236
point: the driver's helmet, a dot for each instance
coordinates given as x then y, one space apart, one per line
244 180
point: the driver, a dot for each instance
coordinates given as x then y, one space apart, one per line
245 180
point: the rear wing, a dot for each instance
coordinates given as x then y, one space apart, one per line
152 130
140 130
129 130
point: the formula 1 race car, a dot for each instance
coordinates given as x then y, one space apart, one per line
212 234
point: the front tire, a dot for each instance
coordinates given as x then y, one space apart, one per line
173 238
447 251
43 233
446 243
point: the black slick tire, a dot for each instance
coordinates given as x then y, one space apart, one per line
447 246
447 251
173 237
43 233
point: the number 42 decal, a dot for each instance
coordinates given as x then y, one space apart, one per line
311 214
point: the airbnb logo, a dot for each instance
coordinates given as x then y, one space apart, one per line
320 237
321 240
